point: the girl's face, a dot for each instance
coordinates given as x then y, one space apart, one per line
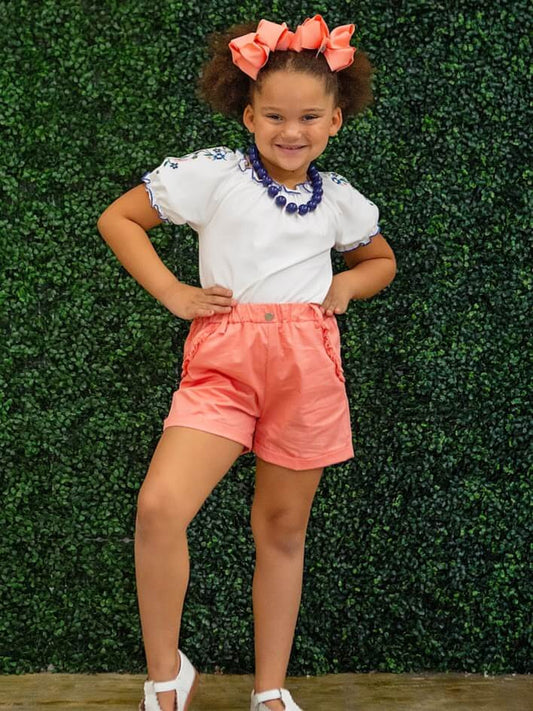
292 118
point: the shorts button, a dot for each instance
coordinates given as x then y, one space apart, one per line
269 316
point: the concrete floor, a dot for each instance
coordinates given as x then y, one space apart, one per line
340 692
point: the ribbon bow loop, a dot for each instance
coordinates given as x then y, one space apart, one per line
313 34
339 54
250 52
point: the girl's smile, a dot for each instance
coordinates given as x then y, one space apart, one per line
292 117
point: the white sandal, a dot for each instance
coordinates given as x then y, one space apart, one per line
271 695
185 685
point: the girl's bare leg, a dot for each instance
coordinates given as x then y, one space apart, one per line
280 513
186 466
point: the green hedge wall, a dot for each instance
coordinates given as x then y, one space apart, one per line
418 548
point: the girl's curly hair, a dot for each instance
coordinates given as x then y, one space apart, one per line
228 90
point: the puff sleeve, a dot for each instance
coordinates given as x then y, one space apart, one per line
182 189
356 216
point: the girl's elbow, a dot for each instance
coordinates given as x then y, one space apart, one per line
392 267
106 222
101 220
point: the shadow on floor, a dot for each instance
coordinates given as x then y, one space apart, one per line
334 692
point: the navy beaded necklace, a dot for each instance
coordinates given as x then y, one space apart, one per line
273 189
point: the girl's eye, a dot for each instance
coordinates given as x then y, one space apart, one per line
273 116
310 117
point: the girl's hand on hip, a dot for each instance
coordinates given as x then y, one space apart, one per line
188 302
339 294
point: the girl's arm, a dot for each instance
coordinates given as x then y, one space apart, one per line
370 269
123 226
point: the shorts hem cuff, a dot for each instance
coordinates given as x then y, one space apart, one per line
220 431
285 460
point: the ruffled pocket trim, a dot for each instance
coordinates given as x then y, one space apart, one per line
331 350
196 341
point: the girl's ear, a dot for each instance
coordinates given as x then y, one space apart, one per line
336 121
248 118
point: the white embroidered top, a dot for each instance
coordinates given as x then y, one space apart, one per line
246 242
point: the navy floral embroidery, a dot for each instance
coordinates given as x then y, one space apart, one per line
339 179
218 153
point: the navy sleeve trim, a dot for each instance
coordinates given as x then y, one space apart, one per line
146 180
361 244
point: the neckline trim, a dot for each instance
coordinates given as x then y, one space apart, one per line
245 164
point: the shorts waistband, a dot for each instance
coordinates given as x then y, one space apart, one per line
268 313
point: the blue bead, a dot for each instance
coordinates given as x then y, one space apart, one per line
273 189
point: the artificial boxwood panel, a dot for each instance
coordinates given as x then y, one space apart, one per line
418 549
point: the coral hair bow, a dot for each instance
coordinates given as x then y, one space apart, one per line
250 52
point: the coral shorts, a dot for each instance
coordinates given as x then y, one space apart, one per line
268 376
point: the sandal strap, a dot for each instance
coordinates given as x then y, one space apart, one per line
270 695
165 685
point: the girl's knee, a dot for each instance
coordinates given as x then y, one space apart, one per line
157 508
284 530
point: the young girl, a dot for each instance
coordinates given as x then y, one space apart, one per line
262 366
